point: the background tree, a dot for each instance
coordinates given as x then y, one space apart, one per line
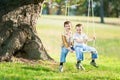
59 6
46 8
79 7
101 11
111 8
18 36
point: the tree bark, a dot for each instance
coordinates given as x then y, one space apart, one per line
18 32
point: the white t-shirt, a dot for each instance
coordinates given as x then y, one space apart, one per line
77 36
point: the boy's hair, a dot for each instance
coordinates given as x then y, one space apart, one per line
78 25
66 22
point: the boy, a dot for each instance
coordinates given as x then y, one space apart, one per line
66 43
80 40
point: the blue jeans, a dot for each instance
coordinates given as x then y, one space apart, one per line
80 49
64 52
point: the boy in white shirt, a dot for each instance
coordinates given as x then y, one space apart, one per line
80 46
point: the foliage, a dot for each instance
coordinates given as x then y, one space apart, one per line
79 7
112 8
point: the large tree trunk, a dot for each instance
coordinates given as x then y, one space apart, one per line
18 32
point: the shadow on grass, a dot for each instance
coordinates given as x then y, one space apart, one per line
37 68
111 68
93 77
2 77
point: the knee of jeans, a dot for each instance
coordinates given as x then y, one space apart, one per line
64 51
78 49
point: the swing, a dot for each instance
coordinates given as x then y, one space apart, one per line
88 19
88 14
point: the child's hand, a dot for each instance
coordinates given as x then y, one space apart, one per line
94 37
70 49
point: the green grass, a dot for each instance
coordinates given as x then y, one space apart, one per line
49 29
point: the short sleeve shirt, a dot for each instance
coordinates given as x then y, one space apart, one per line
77 36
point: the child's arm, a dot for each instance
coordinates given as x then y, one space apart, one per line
66 43
80 40
91 39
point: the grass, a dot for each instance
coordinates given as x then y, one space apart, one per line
49 29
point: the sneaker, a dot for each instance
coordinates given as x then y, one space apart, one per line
79 66
61 68
94 64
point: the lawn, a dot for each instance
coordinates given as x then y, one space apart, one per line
49 29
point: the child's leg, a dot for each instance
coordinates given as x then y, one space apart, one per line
79 57
79 53
64 52
93 51
94 55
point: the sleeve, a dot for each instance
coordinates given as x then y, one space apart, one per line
85 37
65 41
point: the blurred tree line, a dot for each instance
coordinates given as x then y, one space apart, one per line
107 8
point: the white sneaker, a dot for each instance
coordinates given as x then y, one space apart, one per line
61 68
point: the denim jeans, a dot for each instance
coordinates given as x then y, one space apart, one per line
80 49
64 52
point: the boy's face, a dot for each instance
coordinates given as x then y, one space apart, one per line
79 29
67 27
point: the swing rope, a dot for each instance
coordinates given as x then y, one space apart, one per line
93 23
67 10
67 6
88 19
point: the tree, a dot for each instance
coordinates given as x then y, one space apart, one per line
111 8
101 11
18 36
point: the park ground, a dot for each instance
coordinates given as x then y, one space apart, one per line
49 29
